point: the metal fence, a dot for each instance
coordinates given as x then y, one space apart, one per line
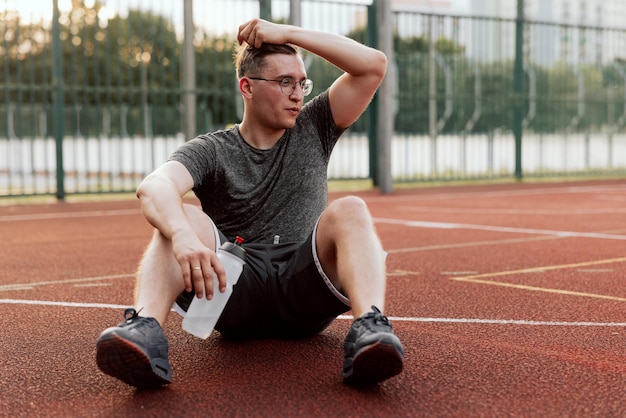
92 97
457 98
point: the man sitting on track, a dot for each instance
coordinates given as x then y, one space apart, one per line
265 180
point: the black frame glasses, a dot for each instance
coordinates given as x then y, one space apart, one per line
288 85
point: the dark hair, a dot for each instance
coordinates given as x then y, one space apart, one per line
249 61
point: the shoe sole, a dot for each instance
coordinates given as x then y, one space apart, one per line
124 360
373 364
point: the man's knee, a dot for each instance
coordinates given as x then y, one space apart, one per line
201 224
349 209
194 213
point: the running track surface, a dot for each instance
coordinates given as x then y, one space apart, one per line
509 300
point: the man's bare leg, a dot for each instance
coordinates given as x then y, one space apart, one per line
159 280
351 253
352 256
136 350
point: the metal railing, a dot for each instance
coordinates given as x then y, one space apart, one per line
92 100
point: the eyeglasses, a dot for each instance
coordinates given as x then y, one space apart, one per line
288 85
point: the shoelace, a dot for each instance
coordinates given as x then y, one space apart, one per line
378 317
381 319
131 314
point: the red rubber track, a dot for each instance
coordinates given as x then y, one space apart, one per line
509 299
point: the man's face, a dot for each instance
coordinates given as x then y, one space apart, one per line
275 106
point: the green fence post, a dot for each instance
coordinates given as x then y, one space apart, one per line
189 73
385 120
372 129
518 88
58 99
266 9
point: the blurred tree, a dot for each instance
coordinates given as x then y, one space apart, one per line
122 76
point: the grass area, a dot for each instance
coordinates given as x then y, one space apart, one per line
350 185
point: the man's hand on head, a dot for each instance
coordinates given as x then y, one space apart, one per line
256 32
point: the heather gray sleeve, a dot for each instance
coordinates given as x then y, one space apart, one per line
320 114
198 156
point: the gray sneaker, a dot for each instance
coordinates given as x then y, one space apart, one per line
372 351
135 352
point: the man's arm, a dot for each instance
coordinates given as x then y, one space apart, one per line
160 194
364 67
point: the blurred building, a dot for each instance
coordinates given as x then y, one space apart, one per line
587 31
423 6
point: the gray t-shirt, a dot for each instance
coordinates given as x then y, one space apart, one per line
258 194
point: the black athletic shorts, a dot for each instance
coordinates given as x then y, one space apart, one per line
281 293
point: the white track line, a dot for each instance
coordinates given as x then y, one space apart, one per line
481 194
349 317
70 215
20 286
64 304
506 211
510 322
450 225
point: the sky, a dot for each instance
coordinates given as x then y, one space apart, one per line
32 10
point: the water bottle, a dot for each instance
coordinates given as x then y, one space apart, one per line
203 314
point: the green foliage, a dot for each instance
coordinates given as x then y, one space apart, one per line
557 98
115 72
122 77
